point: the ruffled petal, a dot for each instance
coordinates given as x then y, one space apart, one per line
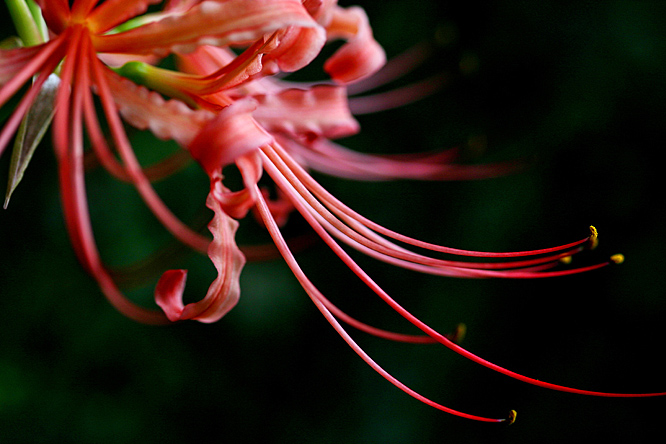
237 203
224 292
298 47
145 109
231 134
214 22
321 110
361 56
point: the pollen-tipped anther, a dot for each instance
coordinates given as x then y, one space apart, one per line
617 258
458 334
566 260
594 237
511 418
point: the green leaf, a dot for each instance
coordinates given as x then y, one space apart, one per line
30 133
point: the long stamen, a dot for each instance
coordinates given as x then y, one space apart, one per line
307 213
133 169
367 241
26 102
316 296
72 183
333 202
49 51
397 97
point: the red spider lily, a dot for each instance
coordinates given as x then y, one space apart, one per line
226 109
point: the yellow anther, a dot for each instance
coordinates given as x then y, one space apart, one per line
594 237
617 258
512 417
459 334
566 260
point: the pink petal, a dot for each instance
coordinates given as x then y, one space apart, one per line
56 13
321 10
214 22
145 109
321 110
224 292
232 133
169 292
361 56
237 204
297 48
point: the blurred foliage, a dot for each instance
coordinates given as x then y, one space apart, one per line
579 87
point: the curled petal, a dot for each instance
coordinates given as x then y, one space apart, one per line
298 47
321 10
361 56
237 203
232 133
205 60
145 109
169 293
213 22
224 292
321 110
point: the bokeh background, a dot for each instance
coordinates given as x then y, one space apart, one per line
576 87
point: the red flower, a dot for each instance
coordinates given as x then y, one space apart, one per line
226 108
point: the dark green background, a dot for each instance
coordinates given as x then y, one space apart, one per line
579 87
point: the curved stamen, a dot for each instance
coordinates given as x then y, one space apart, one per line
397 97
134 170
372 244
48 51
24 105
333 202
316 297
72 181
307 213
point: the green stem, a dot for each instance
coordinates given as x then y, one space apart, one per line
27 20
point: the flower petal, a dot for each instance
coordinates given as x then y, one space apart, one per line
224 292
321 110
214 22
56 13
169 293
114 12
298 47
145 109
361 56
232 133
